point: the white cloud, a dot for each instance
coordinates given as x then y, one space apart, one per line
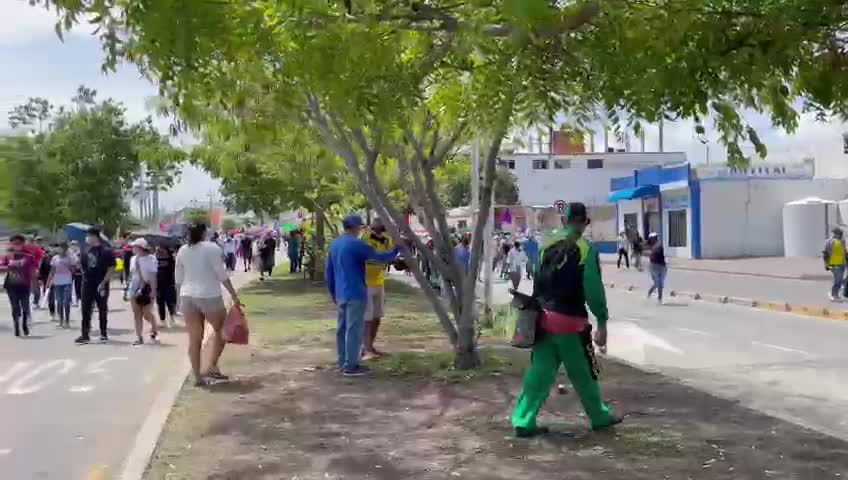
22 23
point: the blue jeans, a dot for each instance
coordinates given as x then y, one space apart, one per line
62 296
838 276
19 300
658 277
349 332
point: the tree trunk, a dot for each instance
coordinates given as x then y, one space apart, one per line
317 273
466 354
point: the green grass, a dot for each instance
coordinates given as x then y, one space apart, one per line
287 306
287 309
438 365
503 322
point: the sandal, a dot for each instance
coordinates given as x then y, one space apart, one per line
202 382
217 376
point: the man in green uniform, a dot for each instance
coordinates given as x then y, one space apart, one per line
568 278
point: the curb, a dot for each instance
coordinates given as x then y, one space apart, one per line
805 310
147 439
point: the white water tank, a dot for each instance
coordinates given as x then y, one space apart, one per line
806 226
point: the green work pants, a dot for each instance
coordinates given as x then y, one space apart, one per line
575 352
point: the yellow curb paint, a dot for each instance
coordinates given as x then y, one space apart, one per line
98 472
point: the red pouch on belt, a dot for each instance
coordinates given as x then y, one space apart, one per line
553 322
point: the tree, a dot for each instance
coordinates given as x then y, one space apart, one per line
409 81
455 181
228 224
83 166
196 215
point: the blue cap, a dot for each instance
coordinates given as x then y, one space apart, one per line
352 220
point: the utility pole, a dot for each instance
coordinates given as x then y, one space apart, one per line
476 171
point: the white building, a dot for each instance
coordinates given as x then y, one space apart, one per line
545 179
716 211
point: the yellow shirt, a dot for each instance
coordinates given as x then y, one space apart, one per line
837 254
375 272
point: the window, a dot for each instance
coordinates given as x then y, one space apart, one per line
677 228
562 164
540 164
510 164
593 163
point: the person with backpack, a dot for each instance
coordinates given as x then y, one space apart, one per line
568 279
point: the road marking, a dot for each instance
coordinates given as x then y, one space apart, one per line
630 341
695 332
781 348
20 387
81 389
96 368
12 371
5 451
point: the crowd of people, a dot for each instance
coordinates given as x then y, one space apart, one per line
179 276
189 278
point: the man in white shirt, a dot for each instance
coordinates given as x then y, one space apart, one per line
230 248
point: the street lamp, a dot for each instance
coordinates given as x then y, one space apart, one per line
706 143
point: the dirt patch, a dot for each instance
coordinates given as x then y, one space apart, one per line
289 415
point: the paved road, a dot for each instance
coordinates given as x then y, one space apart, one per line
786 365
800 292
72 412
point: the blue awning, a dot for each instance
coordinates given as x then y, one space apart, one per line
631 193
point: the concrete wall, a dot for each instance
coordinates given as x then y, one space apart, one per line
578 183
742 218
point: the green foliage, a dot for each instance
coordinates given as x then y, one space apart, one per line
196 215
228 224
455 184
391 88
81 167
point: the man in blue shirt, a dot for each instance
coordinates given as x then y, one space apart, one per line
345 277
531 249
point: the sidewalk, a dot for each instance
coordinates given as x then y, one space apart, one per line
797 268
289 414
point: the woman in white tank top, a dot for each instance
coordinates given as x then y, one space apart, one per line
200 272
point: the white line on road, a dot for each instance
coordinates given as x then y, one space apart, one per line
81 389
696 332
5 451
782 349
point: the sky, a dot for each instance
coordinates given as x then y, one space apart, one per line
34 62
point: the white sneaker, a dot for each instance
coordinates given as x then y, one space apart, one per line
831 297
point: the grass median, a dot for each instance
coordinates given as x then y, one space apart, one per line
288 413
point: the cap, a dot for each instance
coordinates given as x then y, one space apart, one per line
653 235
836 231
140 243
575 210
352 220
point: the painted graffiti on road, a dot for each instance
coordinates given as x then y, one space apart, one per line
24 378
